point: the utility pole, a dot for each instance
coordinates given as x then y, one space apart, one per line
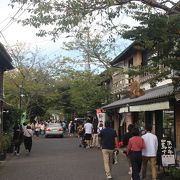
1 100
21 95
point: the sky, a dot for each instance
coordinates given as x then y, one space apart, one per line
12 33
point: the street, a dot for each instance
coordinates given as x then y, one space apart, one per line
59 159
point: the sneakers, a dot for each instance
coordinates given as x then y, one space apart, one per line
15 152
109 177
130 171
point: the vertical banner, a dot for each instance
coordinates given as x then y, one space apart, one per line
101 115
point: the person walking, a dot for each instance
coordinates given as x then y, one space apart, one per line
80 132
95 141
88 128
17 138
134 152
108 139
37 128
71 128
28 133
150 152
126 138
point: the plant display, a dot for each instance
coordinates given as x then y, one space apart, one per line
5 142
174 172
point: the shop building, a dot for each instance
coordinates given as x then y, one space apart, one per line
135 101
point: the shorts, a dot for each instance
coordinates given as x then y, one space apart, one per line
88 136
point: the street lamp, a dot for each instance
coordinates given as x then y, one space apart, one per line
21 95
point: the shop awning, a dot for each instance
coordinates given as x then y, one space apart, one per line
158 94
150 107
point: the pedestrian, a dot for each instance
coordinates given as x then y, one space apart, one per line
108 139
134 151
126 138
17 138
95 141
150 152
37 128
80 132
64 126
100 127
88 128
28 133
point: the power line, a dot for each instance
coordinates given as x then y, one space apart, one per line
4 38
4 19
11 20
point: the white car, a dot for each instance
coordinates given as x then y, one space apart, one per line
54 130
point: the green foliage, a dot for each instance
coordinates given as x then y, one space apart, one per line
10 117
37 107
5 141
159 35
85 93
174 172
65 16
93 49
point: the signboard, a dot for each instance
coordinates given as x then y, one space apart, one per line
167 153
101 115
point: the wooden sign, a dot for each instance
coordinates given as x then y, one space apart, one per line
167 153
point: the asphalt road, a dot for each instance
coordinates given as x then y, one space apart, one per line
59 159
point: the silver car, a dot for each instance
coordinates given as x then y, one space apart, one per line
53 130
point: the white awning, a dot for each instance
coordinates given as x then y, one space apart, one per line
150 107
123 109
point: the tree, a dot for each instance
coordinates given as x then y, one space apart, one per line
93 49
65 16
86 93
52 87
32 79
159 35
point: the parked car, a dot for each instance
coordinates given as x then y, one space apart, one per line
54 130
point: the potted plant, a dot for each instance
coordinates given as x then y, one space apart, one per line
5 142
174 173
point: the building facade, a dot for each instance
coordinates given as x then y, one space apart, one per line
138 103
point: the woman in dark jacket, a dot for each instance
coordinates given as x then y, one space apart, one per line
17 138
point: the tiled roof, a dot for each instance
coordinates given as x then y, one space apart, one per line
156 93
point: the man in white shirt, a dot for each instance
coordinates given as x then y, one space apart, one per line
149 153
88 127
